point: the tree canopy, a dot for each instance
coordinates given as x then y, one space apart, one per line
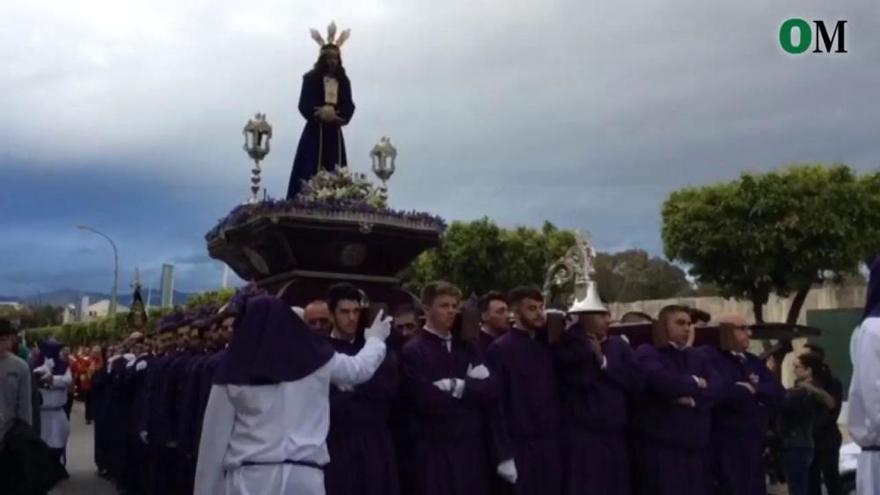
778 232
479 256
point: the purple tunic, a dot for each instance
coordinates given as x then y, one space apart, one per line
362 457
449 445
188 420
672 438
171 460
529 416
740 421
137 455
483 341
156 422
121 397
596 412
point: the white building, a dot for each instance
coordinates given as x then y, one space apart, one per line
101 309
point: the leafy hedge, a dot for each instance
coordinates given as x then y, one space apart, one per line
109 329
94 332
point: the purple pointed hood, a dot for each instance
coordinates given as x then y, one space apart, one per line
270 344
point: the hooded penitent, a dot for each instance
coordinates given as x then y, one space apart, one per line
270 344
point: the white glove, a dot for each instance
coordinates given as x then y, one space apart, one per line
481 372
144 438
507 471
445 384
141 366
381 327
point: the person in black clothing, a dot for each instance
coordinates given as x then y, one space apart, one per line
826 434
797 417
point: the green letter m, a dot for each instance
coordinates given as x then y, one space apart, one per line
822 34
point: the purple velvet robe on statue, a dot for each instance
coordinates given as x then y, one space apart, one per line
529 414
595 413
449 443
671 438
740 421
362 460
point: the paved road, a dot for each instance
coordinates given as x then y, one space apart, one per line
84 479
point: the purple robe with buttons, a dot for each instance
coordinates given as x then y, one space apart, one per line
596 406
672 438
449 442
362 460
740 420
529 416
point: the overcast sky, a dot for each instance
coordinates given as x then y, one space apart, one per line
127 115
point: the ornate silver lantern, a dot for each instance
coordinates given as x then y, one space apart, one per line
257 134
576 268
384 155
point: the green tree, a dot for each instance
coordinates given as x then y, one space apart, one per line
634 275
479 256
214 298
779 232
32 316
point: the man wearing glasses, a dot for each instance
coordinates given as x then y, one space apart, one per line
748 392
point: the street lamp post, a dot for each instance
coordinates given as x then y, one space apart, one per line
113 294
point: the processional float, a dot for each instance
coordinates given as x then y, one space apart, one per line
338 227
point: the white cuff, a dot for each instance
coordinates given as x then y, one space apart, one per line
458 388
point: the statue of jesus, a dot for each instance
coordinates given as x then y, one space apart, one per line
325 102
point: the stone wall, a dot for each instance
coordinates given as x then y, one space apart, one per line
776 309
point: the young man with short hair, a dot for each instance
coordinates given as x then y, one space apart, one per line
362 457
598 377
522 363
673 414
449 392
748 392
494 314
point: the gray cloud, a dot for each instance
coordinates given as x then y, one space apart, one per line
585 114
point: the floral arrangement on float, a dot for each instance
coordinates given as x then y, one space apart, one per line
340 193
